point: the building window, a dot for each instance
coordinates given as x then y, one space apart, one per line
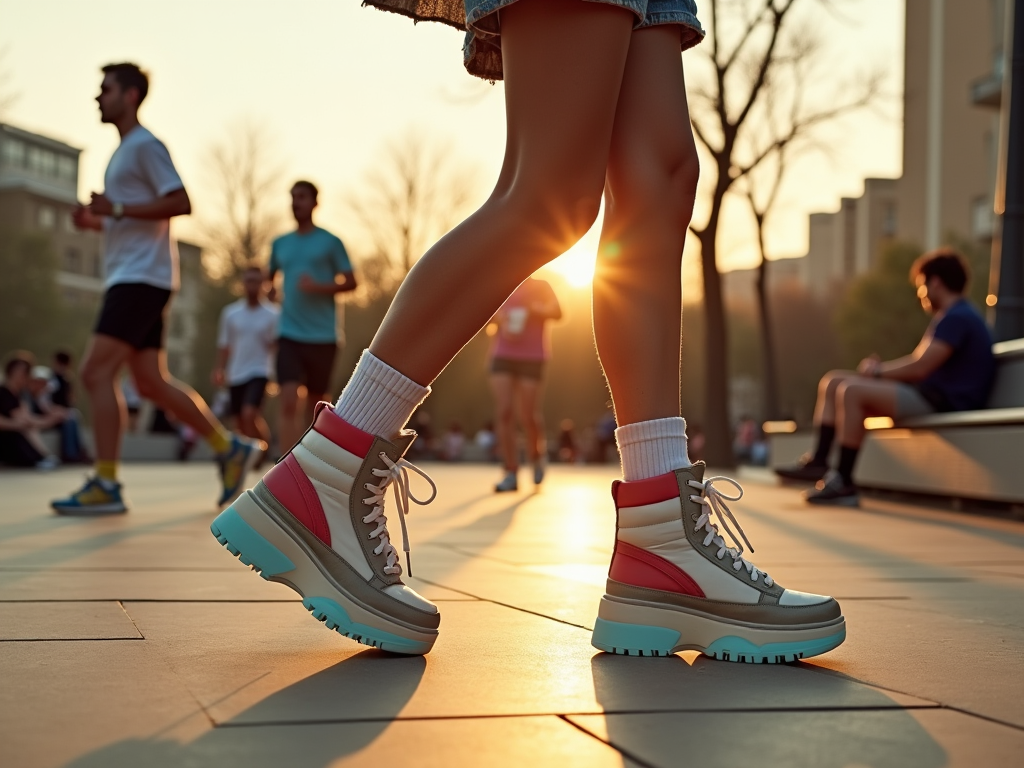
67 168
14 153
73 261
47 217
982 218
889 219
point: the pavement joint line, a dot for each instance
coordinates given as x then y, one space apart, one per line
602 712
121 606
506 605
987 718
71 639
621 750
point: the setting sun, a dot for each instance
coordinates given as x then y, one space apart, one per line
577 264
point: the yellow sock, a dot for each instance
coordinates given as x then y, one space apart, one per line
219 440
106 470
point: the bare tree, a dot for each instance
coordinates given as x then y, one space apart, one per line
751 45
411 198
246 177
8 95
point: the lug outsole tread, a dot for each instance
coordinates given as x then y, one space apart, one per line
317 613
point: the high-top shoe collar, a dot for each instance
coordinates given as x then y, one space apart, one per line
352 439
639 493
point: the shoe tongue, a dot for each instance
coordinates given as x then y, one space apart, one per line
403 441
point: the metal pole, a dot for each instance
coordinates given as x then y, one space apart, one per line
1009 309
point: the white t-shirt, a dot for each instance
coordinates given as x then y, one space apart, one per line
138 250
249 333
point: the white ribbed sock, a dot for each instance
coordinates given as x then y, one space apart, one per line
652 448
378 399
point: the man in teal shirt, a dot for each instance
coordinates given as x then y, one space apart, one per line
315 267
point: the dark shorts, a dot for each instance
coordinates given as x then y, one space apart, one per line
309 364
247 393
134 313
519 369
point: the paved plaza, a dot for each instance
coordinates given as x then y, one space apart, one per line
138 641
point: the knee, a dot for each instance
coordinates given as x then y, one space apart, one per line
664 183
830 382
505 414
848 393
149 388
561 210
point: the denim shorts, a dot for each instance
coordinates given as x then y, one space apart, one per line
482 50
483 30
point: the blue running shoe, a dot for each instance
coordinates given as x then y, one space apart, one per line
234 465
96 497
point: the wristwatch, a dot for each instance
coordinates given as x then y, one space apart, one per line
118 210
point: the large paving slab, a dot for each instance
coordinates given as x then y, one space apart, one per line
207 664
539 742
100 620
908 738
490 660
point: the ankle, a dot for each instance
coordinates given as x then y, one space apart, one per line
652 448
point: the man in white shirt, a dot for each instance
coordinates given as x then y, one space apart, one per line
245 346
143 192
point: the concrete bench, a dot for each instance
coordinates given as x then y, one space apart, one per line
968 454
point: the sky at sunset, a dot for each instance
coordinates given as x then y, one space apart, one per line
332 82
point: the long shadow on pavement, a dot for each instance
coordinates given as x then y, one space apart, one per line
265 735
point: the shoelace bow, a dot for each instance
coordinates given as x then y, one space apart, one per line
713 501
397 473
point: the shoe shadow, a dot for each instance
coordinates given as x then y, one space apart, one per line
329 715
698 711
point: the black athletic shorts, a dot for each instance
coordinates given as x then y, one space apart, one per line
248 393
309 364
519 369
134 313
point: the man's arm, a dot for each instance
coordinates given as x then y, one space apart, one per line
308 285
172 204
18 420
917 366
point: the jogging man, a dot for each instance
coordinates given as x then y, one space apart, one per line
143 192
245 345
315 267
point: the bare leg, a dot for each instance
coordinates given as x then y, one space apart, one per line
652 180
561 90
100 367
252 424
149 368
310 405
857 398
503 385
531 416
287 422
825 407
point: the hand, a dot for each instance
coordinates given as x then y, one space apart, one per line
308 285
218 377
272 294
20 419
100 205
869 366
84 218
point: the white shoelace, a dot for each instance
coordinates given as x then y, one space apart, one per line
713 501
397 472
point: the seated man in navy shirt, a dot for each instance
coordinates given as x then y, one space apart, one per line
950 370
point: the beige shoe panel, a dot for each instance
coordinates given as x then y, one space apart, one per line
331 462
411 597
791 598
343 534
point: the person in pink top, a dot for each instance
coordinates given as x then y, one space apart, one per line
521 347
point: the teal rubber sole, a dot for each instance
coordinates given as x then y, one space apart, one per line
641 640
251 548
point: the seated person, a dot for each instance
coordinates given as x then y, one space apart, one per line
45 397
951 369
20 444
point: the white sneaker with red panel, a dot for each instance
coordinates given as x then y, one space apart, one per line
316 523
674 584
